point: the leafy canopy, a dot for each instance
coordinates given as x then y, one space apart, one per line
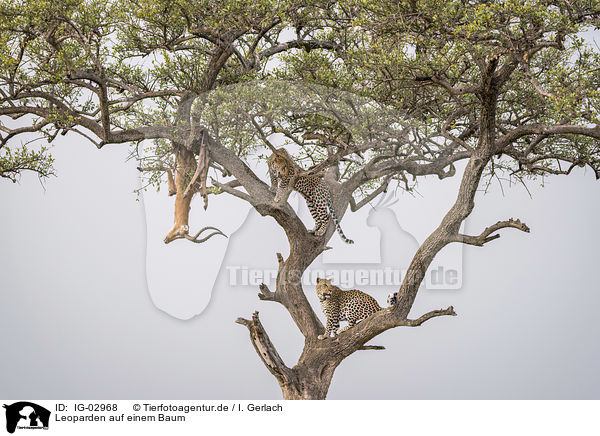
110 71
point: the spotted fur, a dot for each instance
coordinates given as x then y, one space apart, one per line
312 187
392 299
338 305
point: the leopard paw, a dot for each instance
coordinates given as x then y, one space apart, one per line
321 337
321 231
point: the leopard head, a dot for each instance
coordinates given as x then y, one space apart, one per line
281 162
324 289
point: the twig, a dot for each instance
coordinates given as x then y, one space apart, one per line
265 293
228 187
382 188
434 313
485 237
372 347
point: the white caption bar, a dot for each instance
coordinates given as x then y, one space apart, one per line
290 418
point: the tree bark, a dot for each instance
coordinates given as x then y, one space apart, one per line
308 380
312 388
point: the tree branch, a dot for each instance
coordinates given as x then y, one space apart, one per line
434 313
372 347
258 193
267 351
486 236
298 43
382 188
265 294
539 129
231 190
354 339
390 165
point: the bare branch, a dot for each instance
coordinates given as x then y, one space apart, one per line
539 129
267 351
280 259
382 188
230 190
486 235
539 88
298 43
354 339
262 134
265 294
452 90
372 347
381 166
434 313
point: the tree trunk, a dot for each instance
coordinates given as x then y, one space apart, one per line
311 377
310 389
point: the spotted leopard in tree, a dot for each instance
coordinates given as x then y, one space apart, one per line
392 299
283 169
338 305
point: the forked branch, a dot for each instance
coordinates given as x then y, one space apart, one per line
486 236
229 188
420 320
265 293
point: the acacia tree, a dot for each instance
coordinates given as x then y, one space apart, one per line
507 88
122 72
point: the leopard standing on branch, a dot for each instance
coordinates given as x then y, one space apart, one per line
338 305
312 187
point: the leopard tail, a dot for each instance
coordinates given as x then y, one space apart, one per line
337 222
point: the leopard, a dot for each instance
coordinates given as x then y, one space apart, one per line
312 187
392 299
338 305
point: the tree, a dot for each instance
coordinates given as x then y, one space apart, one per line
128 71
384 93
